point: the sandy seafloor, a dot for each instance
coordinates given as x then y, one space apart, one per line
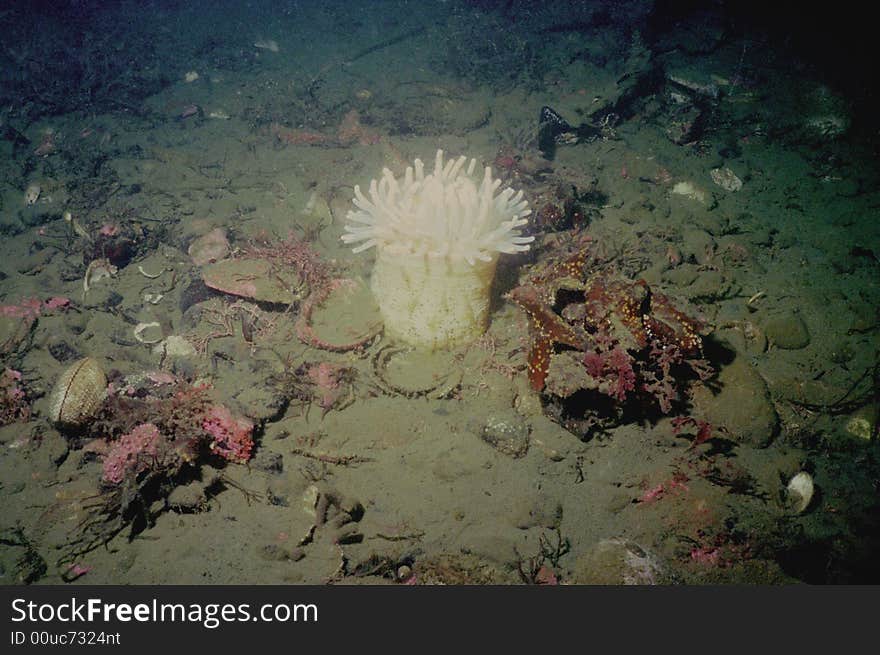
784 269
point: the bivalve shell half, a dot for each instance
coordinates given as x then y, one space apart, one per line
799 492
78 393
255 279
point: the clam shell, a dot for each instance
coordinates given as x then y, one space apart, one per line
799 492
32 194
254 278
78 393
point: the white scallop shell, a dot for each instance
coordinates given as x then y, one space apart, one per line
799 492
32 194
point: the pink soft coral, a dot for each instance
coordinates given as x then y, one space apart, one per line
132 453
231 436
28 309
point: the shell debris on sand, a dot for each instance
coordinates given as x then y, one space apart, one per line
78 393
98 269
688 190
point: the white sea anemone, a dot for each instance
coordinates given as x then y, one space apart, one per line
438 238
444 214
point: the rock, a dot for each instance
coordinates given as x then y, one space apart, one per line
709 287
698 245
55 448
268 461
620 561
261 402
211 247
702 33
61 350
554 442
864 319
194 293
787 331
726 179
567 375
685 125
617 502
795 388
826 117
682 276
527 402
508 434
14 330
276 553
188 497
36 216
746 340
862 424
281 490
433 112
743 406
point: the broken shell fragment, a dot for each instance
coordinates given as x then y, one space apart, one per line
152 276
210 247
140 328
267 44
799 492
174 346
98 269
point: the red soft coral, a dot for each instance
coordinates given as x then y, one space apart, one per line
614 368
